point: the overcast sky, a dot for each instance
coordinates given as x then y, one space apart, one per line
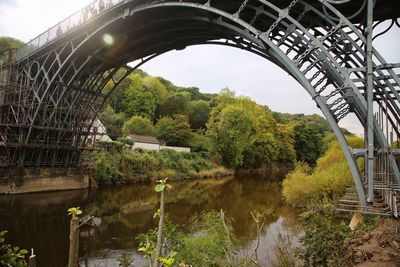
210 68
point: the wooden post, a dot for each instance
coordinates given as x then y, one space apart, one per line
160 230
73 242
32 259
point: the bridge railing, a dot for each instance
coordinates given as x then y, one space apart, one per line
78 18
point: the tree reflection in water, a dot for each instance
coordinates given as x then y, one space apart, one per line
40 220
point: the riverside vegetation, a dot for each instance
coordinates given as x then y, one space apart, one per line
327 239
114 167
224 131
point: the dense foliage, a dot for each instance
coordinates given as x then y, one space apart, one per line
244 134
323 242
175 130
138 125
208 243
9 42
126 165
238 132
329 178
113 121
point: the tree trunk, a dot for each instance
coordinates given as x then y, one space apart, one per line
160 229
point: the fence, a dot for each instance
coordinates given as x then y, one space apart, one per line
78 18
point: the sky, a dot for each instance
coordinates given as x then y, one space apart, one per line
210 68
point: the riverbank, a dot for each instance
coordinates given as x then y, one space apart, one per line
379 246
328 239
134 166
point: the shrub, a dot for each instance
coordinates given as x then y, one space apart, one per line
106 167
172 237
294 189
209 244
329 179
128 165
200 143
9 255
323 243
125 141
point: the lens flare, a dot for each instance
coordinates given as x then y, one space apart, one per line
108 39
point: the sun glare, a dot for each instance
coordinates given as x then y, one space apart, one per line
108 39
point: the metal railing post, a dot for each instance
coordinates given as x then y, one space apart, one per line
370 107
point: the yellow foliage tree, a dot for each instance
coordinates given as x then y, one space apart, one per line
329 178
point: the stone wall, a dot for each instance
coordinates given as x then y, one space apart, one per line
27 180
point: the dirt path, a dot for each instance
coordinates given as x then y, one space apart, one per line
378 247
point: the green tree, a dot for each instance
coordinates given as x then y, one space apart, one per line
8 43
116 97
223 99
112 121
174 130
156 88
194 93
263 146
231 135
139 101
308 142
285 146
199 113
304 185
175 104
200 142
257 143
138 125
261 149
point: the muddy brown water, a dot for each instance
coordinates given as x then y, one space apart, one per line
40 220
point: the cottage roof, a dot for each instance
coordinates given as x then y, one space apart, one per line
144 139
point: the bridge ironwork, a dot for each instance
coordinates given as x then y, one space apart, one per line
51 89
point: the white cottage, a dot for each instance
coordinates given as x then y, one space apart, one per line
98 133
145 142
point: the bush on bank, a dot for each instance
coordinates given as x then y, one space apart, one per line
129 166
207 243
329 179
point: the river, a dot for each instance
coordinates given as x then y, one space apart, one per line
40 220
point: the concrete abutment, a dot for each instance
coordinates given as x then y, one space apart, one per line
30 180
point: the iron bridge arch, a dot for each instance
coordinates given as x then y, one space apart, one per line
52 87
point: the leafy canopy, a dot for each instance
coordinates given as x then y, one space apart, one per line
138 125
174 130
8 43
244 134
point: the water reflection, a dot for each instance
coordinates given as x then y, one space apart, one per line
40 220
